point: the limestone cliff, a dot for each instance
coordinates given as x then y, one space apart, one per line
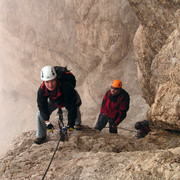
95 40
157 49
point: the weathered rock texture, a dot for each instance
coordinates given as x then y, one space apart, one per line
93 155
93 38
157 50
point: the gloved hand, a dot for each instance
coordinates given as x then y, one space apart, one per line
114 126
49 126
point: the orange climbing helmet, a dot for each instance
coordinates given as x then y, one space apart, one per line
117 84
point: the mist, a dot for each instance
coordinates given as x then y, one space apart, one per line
98 49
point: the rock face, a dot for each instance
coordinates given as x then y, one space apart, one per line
93 155
93 38
157 49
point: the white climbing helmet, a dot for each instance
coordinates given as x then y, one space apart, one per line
48 73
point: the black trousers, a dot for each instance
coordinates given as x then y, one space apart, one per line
102 122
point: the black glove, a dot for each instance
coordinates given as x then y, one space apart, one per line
49 126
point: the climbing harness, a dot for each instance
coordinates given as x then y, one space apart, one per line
63 136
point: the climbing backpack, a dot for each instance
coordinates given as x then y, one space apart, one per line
64 74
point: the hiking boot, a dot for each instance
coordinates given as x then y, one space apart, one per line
39 140
78 127
71 128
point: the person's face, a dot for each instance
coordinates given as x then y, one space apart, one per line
115 91
50 85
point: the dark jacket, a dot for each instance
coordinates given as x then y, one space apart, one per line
63 96
144 131
115 107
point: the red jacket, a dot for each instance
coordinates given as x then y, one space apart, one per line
115 107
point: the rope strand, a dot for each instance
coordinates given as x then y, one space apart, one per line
60 121
51 159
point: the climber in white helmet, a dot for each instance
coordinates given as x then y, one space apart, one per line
55 92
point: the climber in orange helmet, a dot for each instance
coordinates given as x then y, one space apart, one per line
114 107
